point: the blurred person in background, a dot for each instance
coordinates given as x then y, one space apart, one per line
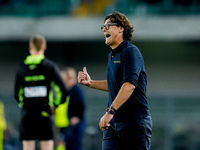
74 132
126 124
11 136
35 79
3 124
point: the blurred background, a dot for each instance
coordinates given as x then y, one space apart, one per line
166 31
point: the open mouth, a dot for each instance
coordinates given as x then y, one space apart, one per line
107 35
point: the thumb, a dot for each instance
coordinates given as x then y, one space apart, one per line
84 70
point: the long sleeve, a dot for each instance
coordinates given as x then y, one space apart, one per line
18 88
59 86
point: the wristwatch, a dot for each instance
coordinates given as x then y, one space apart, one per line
111 110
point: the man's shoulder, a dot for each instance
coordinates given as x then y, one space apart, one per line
77 89
48 62
131 48
21 66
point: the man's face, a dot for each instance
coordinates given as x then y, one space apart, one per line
112 33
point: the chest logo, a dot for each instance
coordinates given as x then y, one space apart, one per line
117 61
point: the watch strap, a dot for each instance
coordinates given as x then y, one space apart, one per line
110 111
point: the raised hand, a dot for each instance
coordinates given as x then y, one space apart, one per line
84 77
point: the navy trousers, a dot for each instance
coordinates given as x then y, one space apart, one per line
132 135
74 136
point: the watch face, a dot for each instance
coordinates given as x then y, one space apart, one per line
110 111
107 110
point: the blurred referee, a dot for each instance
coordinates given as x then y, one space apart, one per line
35 78
127 124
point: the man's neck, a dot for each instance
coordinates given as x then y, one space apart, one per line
35 52
116 44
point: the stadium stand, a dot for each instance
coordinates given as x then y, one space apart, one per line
97 7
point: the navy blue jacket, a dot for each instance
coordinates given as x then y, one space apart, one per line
76 103
126 64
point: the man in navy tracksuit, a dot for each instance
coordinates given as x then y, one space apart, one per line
74 133
127 123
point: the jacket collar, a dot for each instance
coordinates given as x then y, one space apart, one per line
34 59
120 47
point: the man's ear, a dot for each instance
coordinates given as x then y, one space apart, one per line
30 46
121 29
44 48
